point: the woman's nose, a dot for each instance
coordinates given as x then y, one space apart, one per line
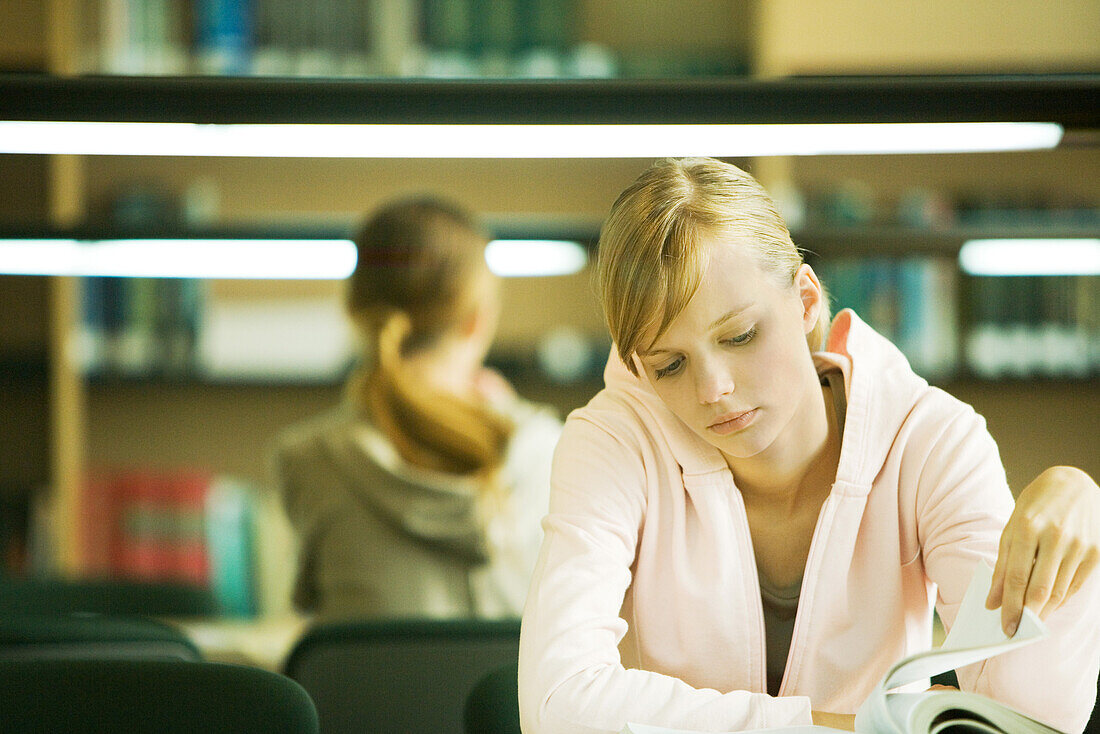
713 383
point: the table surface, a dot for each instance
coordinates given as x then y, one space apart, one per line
263 642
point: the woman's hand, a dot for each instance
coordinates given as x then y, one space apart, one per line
1050 545
836 721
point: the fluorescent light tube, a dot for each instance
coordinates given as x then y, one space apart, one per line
180 258
535 258
517 141
1031 257
255 259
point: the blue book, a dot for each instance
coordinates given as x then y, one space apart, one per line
223 36
927 318
114 298
229 541
915 303
92 349
842 278
879 283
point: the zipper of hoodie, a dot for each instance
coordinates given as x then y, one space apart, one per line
825 517
809 587
752 591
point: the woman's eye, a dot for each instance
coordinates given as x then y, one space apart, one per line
669 369
743 338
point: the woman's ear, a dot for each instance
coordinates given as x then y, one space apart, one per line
811 295
484 316
472 322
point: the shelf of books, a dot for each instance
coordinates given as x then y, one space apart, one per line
174 330
180 525
906 283
396 38
953 325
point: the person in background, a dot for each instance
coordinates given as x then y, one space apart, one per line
421 495
750 524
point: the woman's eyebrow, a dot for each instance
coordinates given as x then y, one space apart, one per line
651 352
727 316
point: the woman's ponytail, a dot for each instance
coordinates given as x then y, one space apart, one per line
430 428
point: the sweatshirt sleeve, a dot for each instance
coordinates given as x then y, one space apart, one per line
304 516
571 677
963 504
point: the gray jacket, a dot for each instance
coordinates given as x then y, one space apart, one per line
381 538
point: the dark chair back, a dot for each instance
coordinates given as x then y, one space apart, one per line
493 705
405 676
1093 726
92 636
105 596
151 697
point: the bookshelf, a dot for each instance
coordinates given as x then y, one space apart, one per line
414 38
136 415
42 409
226 423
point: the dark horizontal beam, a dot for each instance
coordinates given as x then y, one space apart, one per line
1070 99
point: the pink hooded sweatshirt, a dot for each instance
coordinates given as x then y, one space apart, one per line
645 604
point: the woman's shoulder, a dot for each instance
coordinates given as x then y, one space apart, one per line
605 461
306 437
938 416
611 410
620 428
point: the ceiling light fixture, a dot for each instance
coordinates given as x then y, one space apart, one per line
292 140
1030 257
286 259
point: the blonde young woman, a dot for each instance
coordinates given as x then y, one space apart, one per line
421 496
753 519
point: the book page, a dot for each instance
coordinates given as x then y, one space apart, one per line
975 636
968 712
632 728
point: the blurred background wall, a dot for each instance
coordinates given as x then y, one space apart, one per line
61 416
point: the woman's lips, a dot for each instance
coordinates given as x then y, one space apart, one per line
732 422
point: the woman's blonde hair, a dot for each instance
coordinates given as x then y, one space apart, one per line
652 257
420 271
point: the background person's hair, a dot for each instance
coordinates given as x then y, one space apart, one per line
652 253
420 272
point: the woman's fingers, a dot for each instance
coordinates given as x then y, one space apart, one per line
1067 572
1049 562
1030 571
1086 569
1049 547
996 587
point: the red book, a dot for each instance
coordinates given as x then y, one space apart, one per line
147 525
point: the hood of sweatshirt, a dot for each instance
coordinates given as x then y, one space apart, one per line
881 390
341 458
439 509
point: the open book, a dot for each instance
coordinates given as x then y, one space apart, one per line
975 636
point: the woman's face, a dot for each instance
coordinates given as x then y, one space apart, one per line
485 295
734 365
